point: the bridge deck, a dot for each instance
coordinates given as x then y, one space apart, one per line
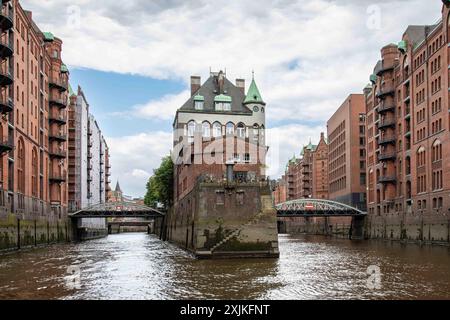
117 209
316 208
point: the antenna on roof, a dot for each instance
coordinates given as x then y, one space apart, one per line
253 74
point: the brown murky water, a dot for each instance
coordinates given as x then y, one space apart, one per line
139 266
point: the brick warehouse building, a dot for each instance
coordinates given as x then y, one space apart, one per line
33 97
408 136
347 152
223 203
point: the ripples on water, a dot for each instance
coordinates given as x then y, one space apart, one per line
139 266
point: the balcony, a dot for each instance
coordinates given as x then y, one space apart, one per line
6 76
6 17
390 139
108 174
382 68
6 49
58 154
386 108
6 146
386 123
387 179
59 84
58 119
6 105
57 101
57 137
385 92
89 155
57 178
386 156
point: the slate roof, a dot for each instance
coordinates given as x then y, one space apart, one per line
209 90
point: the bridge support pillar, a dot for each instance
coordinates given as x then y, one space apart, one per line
357 228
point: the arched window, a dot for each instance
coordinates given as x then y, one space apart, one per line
34 173
217 130
191 131
21 166
437 151
241 130
421 154
255 132
262 132
230 129
206 129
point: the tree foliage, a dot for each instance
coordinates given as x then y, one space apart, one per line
160 185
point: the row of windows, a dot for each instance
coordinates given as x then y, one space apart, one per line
436 106
338 185
437 181
337 131
436 126
420 96
436 85
217 130
436 64
420 78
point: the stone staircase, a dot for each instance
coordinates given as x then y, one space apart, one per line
236 232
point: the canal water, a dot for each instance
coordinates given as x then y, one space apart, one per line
139 266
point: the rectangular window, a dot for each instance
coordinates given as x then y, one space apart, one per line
198 105
226 106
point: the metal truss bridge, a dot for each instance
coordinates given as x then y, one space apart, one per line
316 208
117 210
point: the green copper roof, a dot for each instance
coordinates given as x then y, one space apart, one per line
253 95
71 93
64 68
199 98
402 46
48 36
311 146
222 98
373 78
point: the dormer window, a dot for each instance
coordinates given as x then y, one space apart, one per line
222 103
199 102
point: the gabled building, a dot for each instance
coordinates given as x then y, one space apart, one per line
219 181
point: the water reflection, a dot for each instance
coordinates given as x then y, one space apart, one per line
138 266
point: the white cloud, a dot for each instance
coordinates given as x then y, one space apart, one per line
308 55
134 157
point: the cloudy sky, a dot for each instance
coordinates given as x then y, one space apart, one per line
134 60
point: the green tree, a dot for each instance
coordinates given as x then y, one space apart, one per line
160 185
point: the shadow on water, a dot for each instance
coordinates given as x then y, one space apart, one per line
138 266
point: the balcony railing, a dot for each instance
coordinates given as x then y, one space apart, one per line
57 118
387 179
389 139
6 48
6 16
382 68
385 123
57 137
385 107
6 104
55 153
384 156
385 92
6 146
57 178
60 102
60 84
6 75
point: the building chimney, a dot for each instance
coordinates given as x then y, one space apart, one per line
195 84
240 83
